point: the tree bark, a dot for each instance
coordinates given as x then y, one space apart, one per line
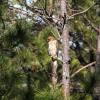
97 71
65 35
65 76
50 7
54 73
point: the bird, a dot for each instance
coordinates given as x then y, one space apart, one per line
52 47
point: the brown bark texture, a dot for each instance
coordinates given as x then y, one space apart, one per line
65 36
54 73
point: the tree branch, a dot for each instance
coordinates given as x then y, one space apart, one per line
34 10
91 24
18 10
23 12
82 12
84 67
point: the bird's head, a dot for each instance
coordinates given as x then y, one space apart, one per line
50 38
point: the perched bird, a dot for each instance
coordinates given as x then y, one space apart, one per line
52 47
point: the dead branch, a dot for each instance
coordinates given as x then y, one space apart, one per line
82 12
84 67
91 24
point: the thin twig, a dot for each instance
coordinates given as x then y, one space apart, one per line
82 12
91 24
84 67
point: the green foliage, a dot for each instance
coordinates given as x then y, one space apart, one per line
49 94
23 44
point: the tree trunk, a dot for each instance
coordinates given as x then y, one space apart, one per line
54 73
97 71
65 35
50 7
